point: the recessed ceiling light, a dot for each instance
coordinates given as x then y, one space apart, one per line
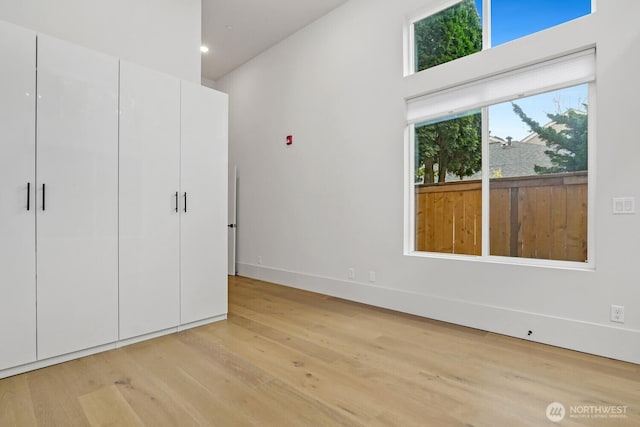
204 49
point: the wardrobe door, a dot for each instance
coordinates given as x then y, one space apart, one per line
77 190
203 272
149 211
17 219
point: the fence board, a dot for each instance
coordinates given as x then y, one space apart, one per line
420 223
576 223
543 222
430 224
447 232
473 221
542 216
559 223
440 223
459 226
500 221
514 221
527 220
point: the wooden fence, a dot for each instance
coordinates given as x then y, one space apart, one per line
541 216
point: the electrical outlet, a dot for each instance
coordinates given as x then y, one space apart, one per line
617 313
259 259
372 276
351 273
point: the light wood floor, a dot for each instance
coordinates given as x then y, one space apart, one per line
291 358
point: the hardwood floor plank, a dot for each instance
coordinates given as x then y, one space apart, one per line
297 343
252 390
165 359
288 357
302 372
107 407
16 405
144 392
54 400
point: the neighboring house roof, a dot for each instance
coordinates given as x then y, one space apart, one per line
517 159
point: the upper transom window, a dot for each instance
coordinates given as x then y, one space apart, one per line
463 27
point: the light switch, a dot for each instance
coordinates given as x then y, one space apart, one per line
624 205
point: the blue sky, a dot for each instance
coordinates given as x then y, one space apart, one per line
503 121
512 19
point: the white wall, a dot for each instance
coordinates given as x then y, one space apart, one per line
208 83
334 199
160 34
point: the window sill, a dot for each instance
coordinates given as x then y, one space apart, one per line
524 262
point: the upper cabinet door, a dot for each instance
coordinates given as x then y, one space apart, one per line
149 211
204 162
17 219
77 217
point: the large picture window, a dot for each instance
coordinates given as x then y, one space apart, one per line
507 176
448 200
461 27
538 162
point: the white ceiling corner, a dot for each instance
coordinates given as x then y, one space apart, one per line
237 30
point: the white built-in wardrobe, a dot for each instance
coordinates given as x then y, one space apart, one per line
113 202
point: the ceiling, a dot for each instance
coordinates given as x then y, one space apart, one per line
237 30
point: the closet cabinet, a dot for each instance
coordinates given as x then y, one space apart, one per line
17 210
203 221
77 198
173 177
113 202
149 201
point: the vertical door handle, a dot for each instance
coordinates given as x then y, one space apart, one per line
185 201
176 201
28 195
43 196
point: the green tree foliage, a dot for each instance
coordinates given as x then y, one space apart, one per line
449 147
567 146
450 34
452 146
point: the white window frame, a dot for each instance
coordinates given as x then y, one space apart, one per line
410 38
580 69
409 30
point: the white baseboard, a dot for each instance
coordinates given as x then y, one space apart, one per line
55 360
179 328
111 346
202 322
588 337
128 341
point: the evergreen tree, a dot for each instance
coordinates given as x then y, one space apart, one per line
452 146
568 146
447 35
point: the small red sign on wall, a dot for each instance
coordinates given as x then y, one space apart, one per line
289 139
